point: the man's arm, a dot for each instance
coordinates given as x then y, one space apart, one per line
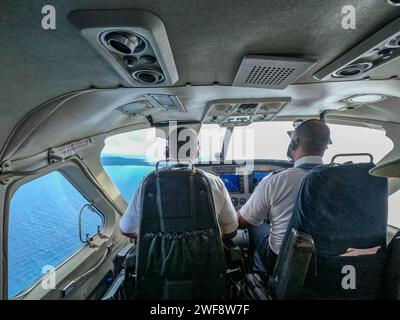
243 224
129 223
256 209
227 214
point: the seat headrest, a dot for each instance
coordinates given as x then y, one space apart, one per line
178 200
341 207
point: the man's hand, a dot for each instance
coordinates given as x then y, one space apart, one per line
243 224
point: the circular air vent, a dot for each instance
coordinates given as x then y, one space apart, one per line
130 61
148 76
394 42
123 42
394 2
353 70
148 59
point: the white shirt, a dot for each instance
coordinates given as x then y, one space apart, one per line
225 211
274 198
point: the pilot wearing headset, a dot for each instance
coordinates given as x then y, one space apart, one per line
268 211
182 145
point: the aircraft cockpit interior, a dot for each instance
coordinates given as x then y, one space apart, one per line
223 150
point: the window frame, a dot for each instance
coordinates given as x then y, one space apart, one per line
80 177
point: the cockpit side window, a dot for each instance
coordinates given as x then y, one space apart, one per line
44 228
351 139
394 210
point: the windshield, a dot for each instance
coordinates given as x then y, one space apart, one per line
269 140
211 138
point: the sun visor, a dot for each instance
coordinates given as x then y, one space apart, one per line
390 169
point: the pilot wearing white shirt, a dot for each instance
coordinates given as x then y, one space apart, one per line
183 145
274 198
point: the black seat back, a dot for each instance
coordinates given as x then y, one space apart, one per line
180 252
341 207
391 287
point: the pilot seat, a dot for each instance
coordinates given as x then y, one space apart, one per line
335 246
180 252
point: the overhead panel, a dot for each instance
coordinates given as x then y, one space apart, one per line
378 50
243 112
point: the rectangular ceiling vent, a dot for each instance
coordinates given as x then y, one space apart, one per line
270 72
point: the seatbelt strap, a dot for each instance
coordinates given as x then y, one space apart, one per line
159 204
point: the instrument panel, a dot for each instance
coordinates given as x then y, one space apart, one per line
241 179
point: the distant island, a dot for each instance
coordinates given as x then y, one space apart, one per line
122 161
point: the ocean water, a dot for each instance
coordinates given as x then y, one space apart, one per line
44 227
127 178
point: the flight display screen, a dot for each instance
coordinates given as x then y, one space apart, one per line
231 181
258 176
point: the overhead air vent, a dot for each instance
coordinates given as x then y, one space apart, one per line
395 3
123 42
270 72
242 112
134 42
377 50
353 70
148 75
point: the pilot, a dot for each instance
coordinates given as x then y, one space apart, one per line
268 211
182 145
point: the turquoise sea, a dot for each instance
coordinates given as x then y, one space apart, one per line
127 178
43 226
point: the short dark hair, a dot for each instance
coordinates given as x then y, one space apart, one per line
313 136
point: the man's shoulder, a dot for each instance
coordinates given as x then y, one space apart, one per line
210 174
282 174
278 171
275 174
214 179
